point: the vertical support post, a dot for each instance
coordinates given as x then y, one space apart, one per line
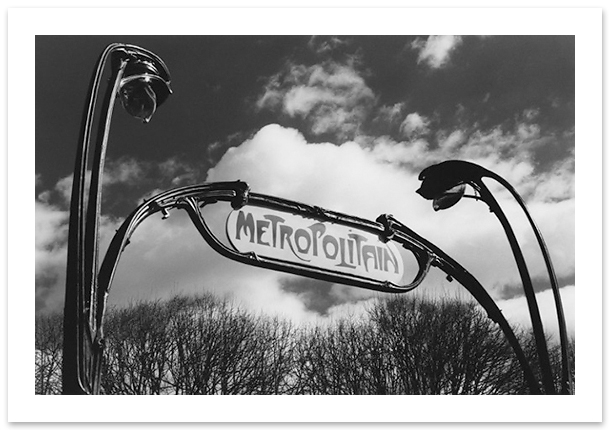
566 374
77 328
144 85
528 288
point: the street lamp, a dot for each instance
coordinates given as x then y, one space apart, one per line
445 184
141 80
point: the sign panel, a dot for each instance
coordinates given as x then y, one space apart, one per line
309 242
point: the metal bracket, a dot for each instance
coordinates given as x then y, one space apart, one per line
242 190
389 232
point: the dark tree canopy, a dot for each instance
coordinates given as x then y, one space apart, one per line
204 345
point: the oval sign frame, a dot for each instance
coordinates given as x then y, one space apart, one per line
385 230
305 241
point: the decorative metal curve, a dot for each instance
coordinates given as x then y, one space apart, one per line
444 262
82 269
534 309
567 384
436 181
82 244
193 198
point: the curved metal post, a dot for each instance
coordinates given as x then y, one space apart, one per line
79 343
528 288
445 183
455 270
77 332
566 374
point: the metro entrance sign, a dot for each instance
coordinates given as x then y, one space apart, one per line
292 237
261 230
306 241
288 236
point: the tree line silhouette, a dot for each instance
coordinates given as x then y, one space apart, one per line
207 345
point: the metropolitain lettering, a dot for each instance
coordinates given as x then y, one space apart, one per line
350 250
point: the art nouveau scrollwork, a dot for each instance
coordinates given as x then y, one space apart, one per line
193 199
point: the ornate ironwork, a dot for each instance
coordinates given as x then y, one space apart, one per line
141 80
193 199
439 181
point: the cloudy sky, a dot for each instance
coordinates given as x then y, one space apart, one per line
346 123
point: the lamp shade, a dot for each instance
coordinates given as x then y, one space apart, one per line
145 84
439 179
138 99
449 198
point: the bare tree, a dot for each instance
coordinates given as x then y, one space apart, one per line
445 346
136 357
343 358
49 347
529 348
214 347
205 345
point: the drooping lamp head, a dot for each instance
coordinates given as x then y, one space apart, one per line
145 84
445 183
449 197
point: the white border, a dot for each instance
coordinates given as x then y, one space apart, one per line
24 24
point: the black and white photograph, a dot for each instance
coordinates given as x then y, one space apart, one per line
259 214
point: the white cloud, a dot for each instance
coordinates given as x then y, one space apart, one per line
359 181
51 226
124 171
389 114
558 183
279 161
51 232
477 232
127 171
531 114
299 101
51 252
414 125
323 45
178 172
516 311
169 257
435 50
52 236
64 188
333 97
413 153
452 142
